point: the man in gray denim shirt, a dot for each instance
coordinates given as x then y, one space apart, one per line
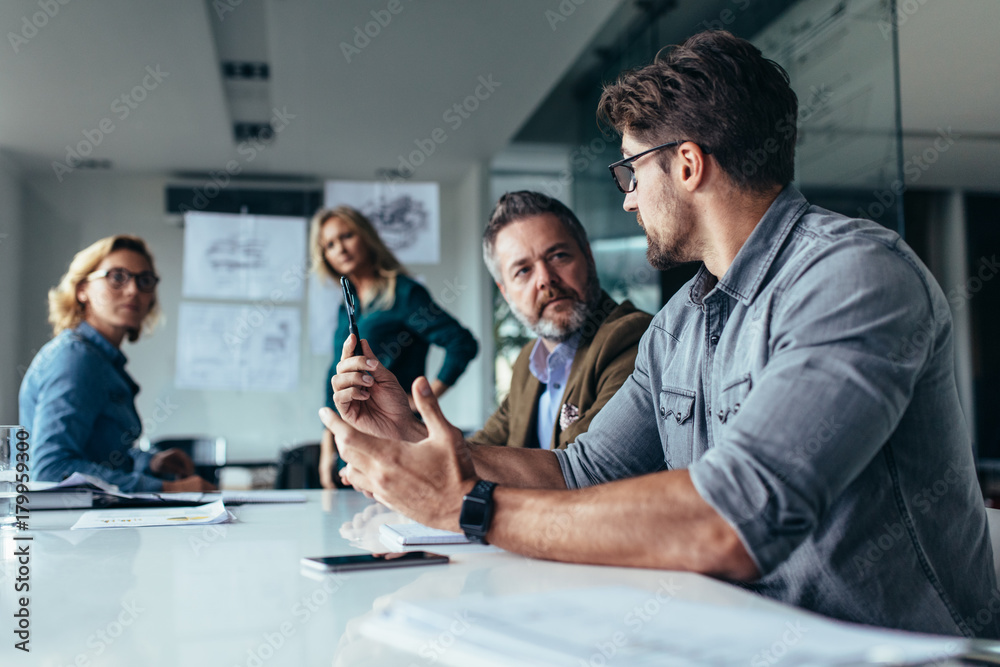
790 407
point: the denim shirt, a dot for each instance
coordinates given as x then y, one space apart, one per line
78 404
811 395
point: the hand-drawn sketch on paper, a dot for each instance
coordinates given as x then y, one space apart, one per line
246 348
406 215
229 256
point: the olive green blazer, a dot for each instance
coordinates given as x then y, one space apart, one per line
604 359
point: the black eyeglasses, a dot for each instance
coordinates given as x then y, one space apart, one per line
623 172
118 278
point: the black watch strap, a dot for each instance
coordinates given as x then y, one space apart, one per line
477 511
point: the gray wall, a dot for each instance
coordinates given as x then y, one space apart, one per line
10 285
58 219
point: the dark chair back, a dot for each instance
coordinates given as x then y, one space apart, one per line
298 468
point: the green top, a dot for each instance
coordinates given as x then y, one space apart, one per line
401 336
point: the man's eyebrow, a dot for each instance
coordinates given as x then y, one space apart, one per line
518 261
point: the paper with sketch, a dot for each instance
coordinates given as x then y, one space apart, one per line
172 516
629 626
406 215
228 256
248 348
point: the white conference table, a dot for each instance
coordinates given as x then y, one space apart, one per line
235 594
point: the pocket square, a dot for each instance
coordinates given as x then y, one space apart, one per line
568 415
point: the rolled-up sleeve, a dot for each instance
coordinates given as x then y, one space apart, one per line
831 394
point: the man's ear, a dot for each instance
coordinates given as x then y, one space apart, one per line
691 163
503 292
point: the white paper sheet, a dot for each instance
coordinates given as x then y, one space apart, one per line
248 348
406 215
250 257
413 534
137 518
628 626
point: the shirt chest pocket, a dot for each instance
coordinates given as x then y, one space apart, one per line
677 425
731 398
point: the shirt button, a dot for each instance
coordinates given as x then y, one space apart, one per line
663 411
714 340
557 386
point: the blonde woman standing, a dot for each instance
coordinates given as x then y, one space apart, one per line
397 317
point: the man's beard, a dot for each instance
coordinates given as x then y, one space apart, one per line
581 309
663 255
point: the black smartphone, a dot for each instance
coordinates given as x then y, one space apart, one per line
373 561
351 304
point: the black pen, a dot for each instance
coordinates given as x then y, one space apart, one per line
351 304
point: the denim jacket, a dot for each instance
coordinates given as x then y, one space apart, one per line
78 404
811 395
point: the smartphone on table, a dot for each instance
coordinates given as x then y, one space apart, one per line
373 561
351 304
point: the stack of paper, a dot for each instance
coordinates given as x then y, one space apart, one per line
628 626
413 534
170 516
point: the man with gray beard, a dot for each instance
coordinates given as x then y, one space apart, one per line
538 254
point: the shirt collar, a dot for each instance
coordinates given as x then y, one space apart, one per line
563 353
746 274
92 336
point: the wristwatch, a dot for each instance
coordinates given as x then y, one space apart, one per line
477 511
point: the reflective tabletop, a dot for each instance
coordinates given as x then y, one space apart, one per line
236 595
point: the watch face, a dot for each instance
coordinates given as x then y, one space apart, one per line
473 513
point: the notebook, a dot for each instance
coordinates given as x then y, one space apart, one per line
413 534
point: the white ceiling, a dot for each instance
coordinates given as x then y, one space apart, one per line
350 119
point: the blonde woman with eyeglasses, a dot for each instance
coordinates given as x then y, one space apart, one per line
76 399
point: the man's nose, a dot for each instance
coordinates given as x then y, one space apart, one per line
544 277
629 203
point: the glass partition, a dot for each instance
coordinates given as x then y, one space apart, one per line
841 57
